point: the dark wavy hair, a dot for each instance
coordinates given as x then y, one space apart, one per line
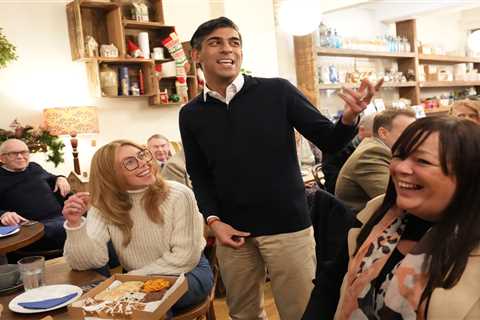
208 27
457 234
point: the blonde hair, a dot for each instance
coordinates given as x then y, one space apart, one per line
108 192
471 104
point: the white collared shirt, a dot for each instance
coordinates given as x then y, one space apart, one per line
232 89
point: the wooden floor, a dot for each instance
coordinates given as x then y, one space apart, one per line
221 310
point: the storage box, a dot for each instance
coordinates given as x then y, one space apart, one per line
172 295
431 72
425 49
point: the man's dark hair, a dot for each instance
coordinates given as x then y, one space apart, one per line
208 27
385 118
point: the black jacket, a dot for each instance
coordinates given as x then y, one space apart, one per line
242 160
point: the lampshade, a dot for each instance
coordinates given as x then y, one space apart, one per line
61 121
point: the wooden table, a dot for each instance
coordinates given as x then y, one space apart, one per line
57 272
27 235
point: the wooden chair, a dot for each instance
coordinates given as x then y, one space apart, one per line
318 175
176 145
204 309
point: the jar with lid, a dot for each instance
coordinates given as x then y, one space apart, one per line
108 80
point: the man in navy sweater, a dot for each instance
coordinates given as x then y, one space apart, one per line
28 192
238 137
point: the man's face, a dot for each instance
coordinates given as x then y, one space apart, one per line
160 148
15 155
220 56
399 123
465 112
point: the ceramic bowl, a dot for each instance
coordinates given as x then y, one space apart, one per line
9 275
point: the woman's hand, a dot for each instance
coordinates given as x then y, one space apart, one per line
75 207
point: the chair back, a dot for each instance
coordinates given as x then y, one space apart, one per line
331 220
204 309
176 146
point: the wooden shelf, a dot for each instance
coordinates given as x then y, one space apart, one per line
110 22
438 110
444 59
133 24
130 96
446 84
327 86
98 5
121 60
172 104
363 54
163 60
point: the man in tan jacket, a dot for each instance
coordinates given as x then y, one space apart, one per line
365 174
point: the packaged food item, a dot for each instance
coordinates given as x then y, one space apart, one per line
124 81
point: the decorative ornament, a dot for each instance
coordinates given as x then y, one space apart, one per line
108 51
37 140
91 47
134 50
7 51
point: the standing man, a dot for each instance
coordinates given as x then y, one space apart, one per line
159 146
238 137
28 192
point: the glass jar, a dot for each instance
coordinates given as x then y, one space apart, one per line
108 80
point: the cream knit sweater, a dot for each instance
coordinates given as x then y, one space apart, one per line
169 248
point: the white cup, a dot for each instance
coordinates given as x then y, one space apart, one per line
158 53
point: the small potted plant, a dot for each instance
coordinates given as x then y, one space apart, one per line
7 51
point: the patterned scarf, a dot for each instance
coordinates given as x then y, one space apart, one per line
402 291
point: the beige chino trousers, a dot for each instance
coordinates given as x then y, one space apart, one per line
290 261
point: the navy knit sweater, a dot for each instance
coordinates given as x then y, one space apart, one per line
242 158
29 193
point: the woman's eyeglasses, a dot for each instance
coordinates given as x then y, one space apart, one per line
132 163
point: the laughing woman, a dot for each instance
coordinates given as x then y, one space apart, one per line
154 225
418 254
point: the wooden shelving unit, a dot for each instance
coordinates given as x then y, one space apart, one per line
444 59
448 84
327 86
363 54
306 53
144 25
98 4
437 111
111 23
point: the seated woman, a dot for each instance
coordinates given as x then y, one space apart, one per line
417 255
467 109
154 225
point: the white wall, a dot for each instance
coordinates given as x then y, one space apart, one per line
255 19
44 75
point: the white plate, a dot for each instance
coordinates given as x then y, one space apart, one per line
43 293
9 234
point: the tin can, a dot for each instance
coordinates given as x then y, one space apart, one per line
124 81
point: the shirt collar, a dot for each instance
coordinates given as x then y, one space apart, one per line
232 89
10 170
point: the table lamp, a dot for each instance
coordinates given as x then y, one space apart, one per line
71 121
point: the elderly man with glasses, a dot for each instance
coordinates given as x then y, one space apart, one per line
28 192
